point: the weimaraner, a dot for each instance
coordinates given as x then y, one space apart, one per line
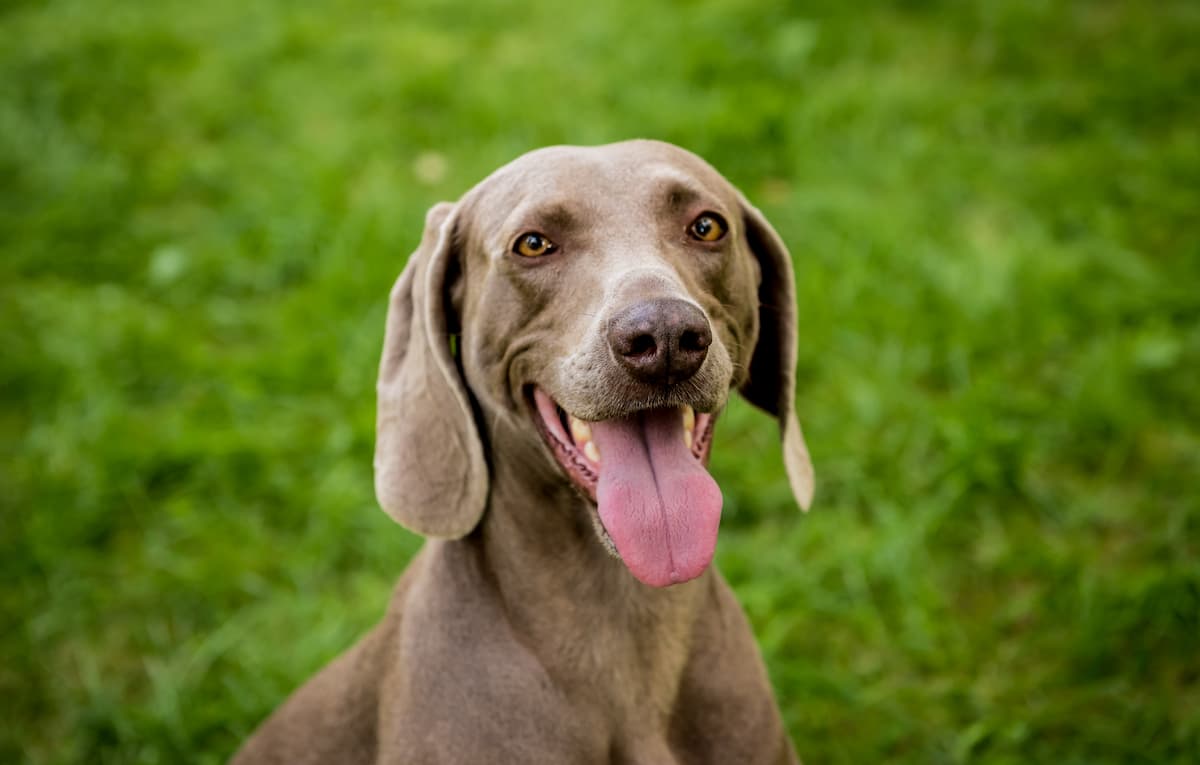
557 352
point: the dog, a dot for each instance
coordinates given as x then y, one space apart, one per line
557 352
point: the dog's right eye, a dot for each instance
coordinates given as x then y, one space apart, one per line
533 245
709 227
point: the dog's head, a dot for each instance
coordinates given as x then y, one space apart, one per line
601 302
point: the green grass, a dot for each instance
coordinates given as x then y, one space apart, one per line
993 209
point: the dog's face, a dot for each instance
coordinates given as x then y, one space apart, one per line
606 300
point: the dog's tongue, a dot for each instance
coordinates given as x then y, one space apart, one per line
657 502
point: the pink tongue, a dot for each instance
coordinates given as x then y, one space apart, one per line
657 502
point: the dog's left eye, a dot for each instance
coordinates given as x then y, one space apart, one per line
534 245
709 227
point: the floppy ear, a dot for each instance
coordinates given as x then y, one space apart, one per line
771 385
430 473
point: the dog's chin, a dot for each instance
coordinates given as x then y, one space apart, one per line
644 473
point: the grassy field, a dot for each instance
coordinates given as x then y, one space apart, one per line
994 209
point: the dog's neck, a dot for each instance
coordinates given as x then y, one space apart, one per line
575 604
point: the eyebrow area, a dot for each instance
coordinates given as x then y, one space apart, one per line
554 216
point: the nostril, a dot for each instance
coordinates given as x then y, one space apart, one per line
694 341
641 345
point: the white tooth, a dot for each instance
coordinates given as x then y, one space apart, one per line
591 452
689 418
687 438
581 431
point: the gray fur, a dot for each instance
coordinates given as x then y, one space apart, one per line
516 636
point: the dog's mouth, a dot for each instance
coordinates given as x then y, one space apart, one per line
656 503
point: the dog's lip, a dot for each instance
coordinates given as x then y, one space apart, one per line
553 423
549 418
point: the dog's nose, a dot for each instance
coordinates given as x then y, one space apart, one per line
660 342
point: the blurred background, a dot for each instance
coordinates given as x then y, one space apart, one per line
993 209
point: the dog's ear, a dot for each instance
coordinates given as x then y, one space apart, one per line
430 473
771 385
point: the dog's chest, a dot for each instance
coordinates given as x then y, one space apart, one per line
623 661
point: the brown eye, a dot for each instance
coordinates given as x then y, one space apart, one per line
532 245
709 227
